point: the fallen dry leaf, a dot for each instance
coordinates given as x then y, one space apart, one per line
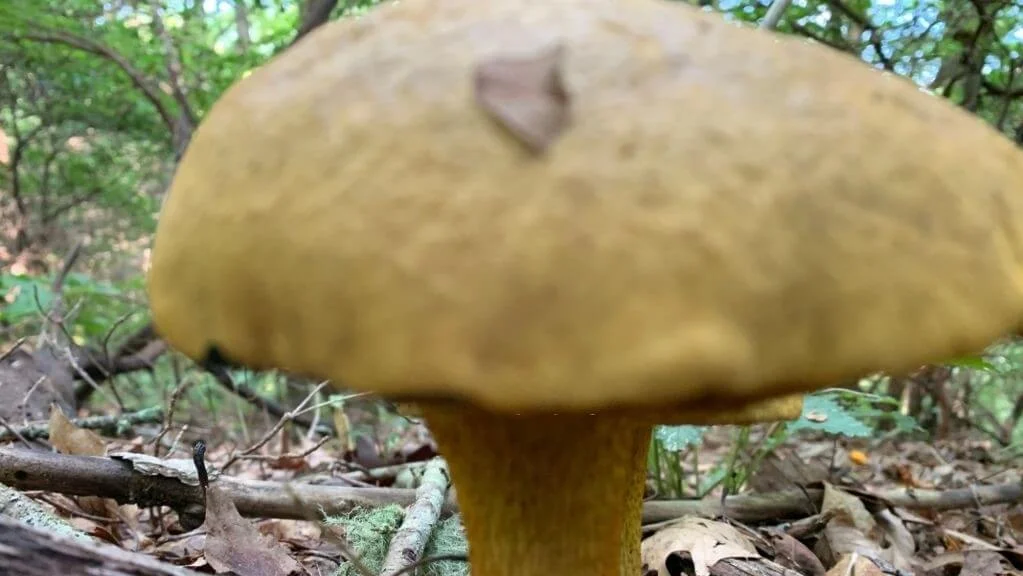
181 550
842 538
784 469
294 531
903 545
945 563
705 541
68 438
792 553
857 565
985 563
234 544
343 426
840 500
955 539
526 95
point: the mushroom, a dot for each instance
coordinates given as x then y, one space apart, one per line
553 224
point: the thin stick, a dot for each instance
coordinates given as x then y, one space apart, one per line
774 14
410 540
14 347
438 558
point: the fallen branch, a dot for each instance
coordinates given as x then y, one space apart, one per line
745 508
105 425
139 351
410 540
768 507
110 478
18 506
29 551
388 473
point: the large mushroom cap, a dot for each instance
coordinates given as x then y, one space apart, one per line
727 215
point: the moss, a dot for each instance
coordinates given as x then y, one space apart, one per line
369 533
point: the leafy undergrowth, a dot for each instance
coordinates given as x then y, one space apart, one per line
895 505
868 506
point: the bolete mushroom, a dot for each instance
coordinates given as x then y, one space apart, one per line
553 224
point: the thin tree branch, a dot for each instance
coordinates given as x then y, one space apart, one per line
138 79
174 67
316 14
774 14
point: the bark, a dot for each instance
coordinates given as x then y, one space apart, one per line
410 540
112 478
30 551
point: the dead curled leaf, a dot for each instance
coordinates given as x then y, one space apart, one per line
985 563
855 564
526 95
854 530
233 544
705 541
793 554
68 438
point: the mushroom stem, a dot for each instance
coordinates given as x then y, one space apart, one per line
545 494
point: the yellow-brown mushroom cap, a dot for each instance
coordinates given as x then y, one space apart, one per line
729 216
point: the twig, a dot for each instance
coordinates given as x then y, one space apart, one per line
287 417
56 315
438 558
18 344
362 474
774 14
32 389
138 351
289 455
410 540
222 377
168 419
13 432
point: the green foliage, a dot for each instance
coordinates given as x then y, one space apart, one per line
996 391
678 438
370 531
973 363
94 307
836 412
826 412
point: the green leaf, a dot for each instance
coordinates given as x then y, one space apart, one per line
973 363
823 413
25 304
